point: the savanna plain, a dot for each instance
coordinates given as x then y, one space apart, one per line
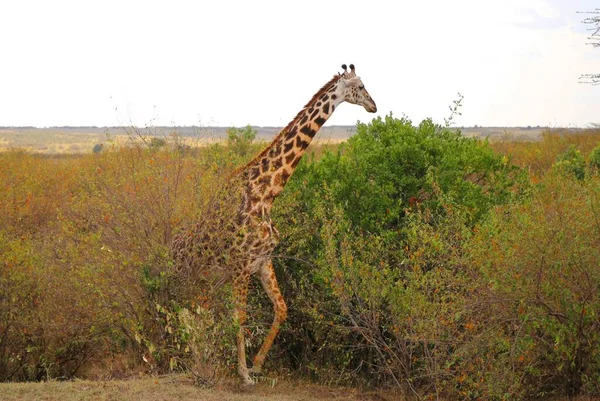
417 262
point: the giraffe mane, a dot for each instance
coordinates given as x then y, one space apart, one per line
312 101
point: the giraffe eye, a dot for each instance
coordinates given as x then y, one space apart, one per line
361 87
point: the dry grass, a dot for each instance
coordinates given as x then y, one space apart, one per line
50 142
539 155
179 387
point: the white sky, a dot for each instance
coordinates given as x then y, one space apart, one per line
225 62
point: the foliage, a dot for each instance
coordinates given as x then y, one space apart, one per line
539 156
157 143
454 110
594 158
240 140
571 162
384 223
86 268
410 257
539 263
391 165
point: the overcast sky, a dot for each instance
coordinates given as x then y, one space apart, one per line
225 62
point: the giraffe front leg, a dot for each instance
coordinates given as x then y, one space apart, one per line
240 294
269 283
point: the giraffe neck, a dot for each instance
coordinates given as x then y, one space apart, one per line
271 169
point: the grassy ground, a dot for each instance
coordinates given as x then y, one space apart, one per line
180 387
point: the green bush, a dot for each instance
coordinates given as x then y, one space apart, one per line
391 165
571 162
377 230
594 158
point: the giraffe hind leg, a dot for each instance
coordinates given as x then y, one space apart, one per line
269 283
240 294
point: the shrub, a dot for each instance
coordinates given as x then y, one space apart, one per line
128 209
240 140
98 148
571 162
379 287
84 259
157 143
539 264
391 165
594 158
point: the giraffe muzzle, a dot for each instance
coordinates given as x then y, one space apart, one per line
371 108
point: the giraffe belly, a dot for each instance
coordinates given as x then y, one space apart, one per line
261 243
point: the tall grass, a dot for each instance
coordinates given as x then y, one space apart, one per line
538 156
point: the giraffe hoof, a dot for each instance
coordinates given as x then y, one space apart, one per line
245 376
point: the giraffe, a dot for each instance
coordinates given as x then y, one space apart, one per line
258 183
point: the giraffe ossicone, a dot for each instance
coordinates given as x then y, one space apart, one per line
254 235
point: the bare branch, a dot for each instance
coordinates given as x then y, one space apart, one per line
594 40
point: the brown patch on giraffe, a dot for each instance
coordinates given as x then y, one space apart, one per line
308 130
314 114
290 158
265 184
291 133
285 175
326 108
319 121
277 180
254 173
277 163
265 164
288 146
296 161
304 119
301 143
275 150
264 179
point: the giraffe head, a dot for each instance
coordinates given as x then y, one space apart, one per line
353 90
